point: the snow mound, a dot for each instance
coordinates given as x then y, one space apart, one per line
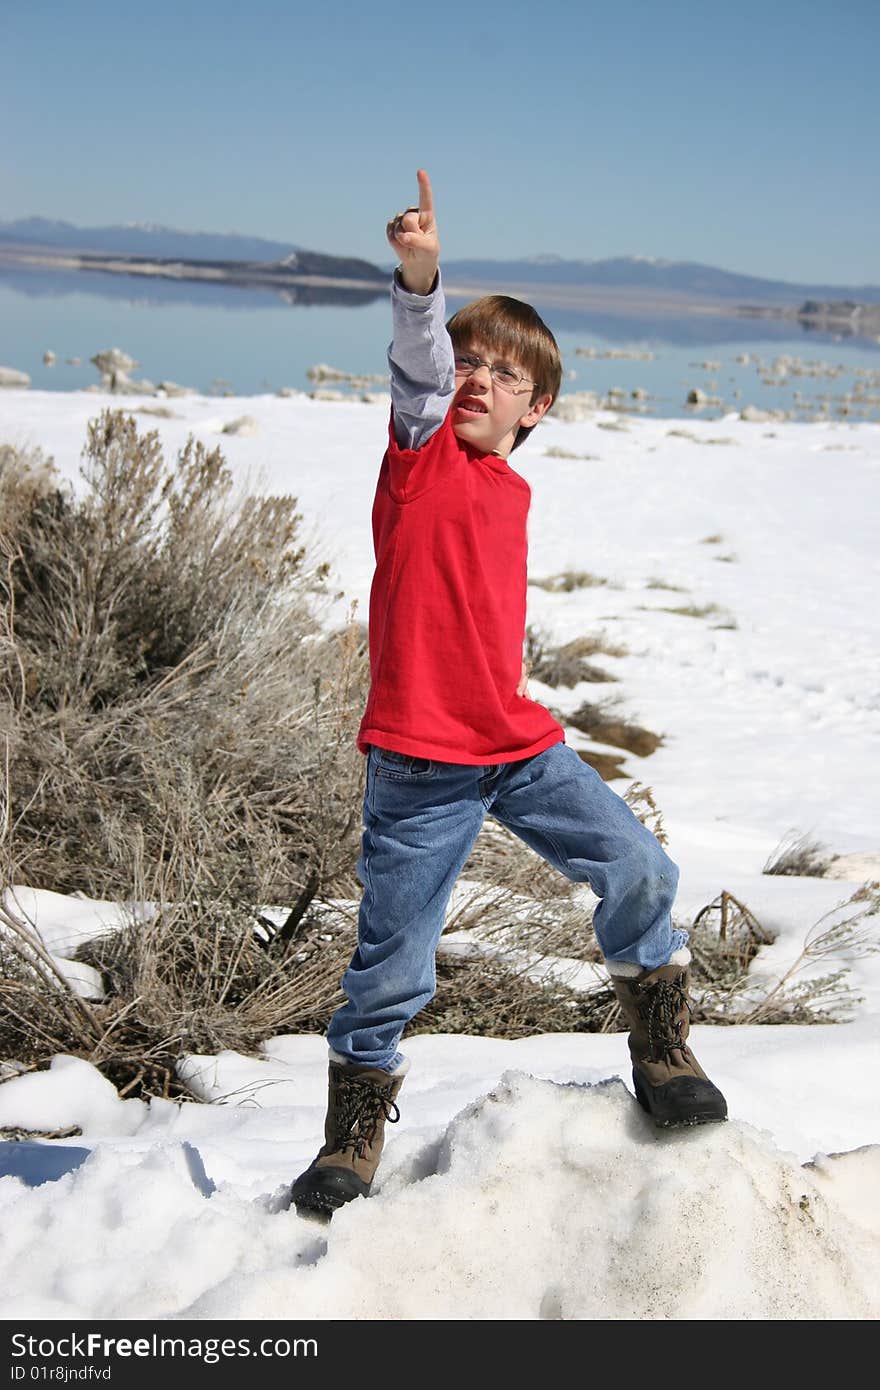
554 1201
71 1092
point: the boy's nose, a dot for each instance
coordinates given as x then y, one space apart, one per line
481 374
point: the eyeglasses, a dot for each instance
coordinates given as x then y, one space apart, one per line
508 378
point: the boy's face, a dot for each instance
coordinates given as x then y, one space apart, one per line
486 415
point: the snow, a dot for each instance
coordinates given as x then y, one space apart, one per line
522 1181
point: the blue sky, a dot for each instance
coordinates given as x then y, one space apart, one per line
744 135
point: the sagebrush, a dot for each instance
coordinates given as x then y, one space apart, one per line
173 711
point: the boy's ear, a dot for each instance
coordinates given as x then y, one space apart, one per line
536 410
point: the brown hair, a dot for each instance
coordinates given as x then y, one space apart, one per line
513 329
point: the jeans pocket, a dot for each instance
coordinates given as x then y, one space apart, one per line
402 767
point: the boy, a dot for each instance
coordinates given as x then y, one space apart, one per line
450 734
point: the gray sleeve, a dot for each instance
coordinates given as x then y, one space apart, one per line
420 358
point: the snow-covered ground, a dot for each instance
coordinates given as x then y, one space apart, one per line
522 1181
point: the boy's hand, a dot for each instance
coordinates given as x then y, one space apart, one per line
523 687
413 235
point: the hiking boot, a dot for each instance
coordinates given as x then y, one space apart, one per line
669 1081
360 1100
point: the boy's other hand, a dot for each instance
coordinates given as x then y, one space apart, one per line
413 235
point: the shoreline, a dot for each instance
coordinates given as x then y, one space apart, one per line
233 273
170 407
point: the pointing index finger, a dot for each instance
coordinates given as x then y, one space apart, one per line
426 198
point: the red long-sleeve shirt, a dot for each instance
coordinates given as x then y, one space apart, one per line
448 608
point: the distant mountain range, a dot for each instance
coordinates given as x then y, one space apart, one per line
655 275
144 239
636 274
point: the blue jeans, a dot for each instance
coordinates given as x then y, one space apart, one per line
421 819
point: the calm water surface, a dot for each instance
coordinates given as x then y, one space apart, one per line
249 342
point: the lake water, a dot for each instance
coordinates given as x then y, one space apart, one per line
222 339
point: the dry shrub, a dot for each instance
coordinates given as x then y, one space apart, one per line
178 729
185 978
640 800
568 664
611 767
172 709
484 997
799 856
568 581
664 584
691 610
726 937
601 723
500 859
40 1014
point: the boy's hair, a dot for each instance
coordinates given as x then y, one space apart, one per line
513 329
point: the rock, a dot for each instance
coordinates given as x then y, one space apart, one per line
697 397
576 405
122 385
755 414
245 424
287 391
171 388
73 361
323 395
358 381
854 868
10 377
321 372
49 358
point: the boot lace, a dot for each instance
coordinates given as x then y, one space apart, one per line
360 1105
662 1009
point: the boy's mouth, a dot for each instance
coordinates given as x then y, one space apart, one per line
472 405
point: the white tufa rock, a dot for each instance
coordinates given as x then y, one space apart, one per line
10 377
113 360
171 388
245 424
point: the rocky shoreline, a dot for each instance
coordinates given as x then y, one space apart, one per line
845 317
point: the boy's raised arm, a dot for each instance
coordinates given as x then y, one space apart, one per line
420 355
